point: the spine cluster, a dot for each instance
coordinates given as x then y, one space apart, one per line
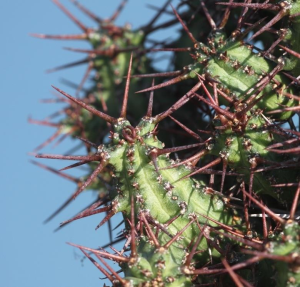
206 171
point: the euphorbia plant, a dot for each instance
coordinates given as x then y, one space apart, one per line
224 211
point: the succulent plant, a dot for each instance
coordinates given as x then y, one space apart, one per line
225 213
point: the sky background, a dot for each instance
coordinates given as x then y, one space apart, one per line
31 253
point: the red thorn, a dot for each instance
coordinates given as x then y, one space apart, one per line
87 142
165 84
63 175
155 18
106 218
252 100
290 51
232 274
165 24
64 136
71 16
190 132
155 75
222 94
103 254
91 178
225 17
265 208
217 108
176 149
282 144
206 271
88 108
241 238
195 157
188 49
291 96
87 12
153 237
43 123
291 150
223 174
168 244
66 157
153 156
184 26
206 90
285 258
246 208
291 109
48 141
213 163
133 248
109 276
75 164
295 202
195 246
70 65
278 16
85 77
208 17
126 93
60 37
273 7
109 52
264 225
111 270
190 94
62 207
150 104
285 185
91 210
118 11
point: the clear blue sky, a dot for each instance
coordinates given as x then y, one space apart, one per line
31 253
